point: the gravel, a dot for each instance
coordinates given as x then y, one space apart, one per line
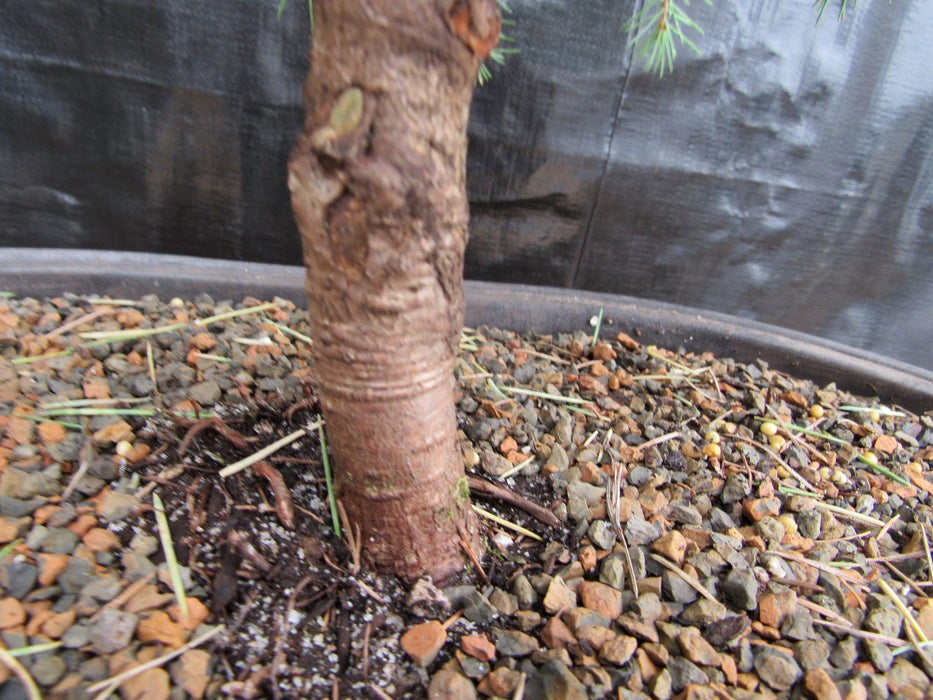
769 561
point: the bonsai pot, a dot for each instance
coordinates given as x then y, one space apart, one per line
51 272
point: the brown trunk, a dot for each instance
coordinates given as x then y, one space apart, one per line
378 189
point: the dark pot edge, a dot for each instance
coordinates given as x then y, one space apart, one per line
50 272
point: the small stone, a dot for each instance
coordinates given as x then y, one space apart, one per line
111 434
884 620
554 681
758 508
559 597
601 534
618 650
58 623
684 672
639 531
48 670
612 571
647 607
556 634
779 670
112 630
704 612
427 600
697 649
99 539
18 577
524 592
116 506
773 608
811 653
671 545
50 566
740 588
450 685
59 540
478 646
879 654
820 686
205 393
159 627
514 643
12 613
605 600
423 641
500 682
722 632
135 565
645 631
798 625
152 684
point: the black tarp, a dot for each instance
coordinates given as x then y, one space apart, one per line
785 174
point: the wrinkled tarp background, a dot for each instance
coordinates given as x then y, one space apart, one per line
784 174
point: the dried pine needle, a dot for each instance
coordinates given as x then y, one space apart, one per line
165 535
506 523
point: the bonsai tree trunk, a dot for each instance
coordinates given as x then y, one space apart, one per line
378 190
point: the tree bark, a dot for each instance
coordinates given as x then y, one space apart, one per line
378 190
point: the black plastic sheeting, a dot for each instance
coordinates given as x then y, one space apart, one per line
785 174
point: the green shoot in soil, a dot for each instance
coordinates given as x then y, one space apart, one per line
328 477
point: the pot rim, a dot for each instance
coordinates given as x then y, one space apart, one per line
41 272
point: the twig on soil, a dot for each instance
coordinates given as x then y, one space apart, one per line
283 498
558 398
658 440
613 500
242 464
199 426
481 486
465 545
32 690
517 468
899 574
776 457
85 457
520 688
352 535
111 684
689 580
367 632
850 514
843 574
873 636
74 323
926 546
127 593
899 604
506 523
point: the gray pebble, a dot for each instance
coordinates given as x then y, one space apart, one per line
640 531
601 534
136 565
812 653
48 670
740 588
11 507
779 670
103 589
879 654
112 630
18 578
514 643
205 393
76 575
116 506
683 671
554 681
59 540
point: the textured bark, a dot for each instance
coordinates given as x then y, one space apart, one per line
378 189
